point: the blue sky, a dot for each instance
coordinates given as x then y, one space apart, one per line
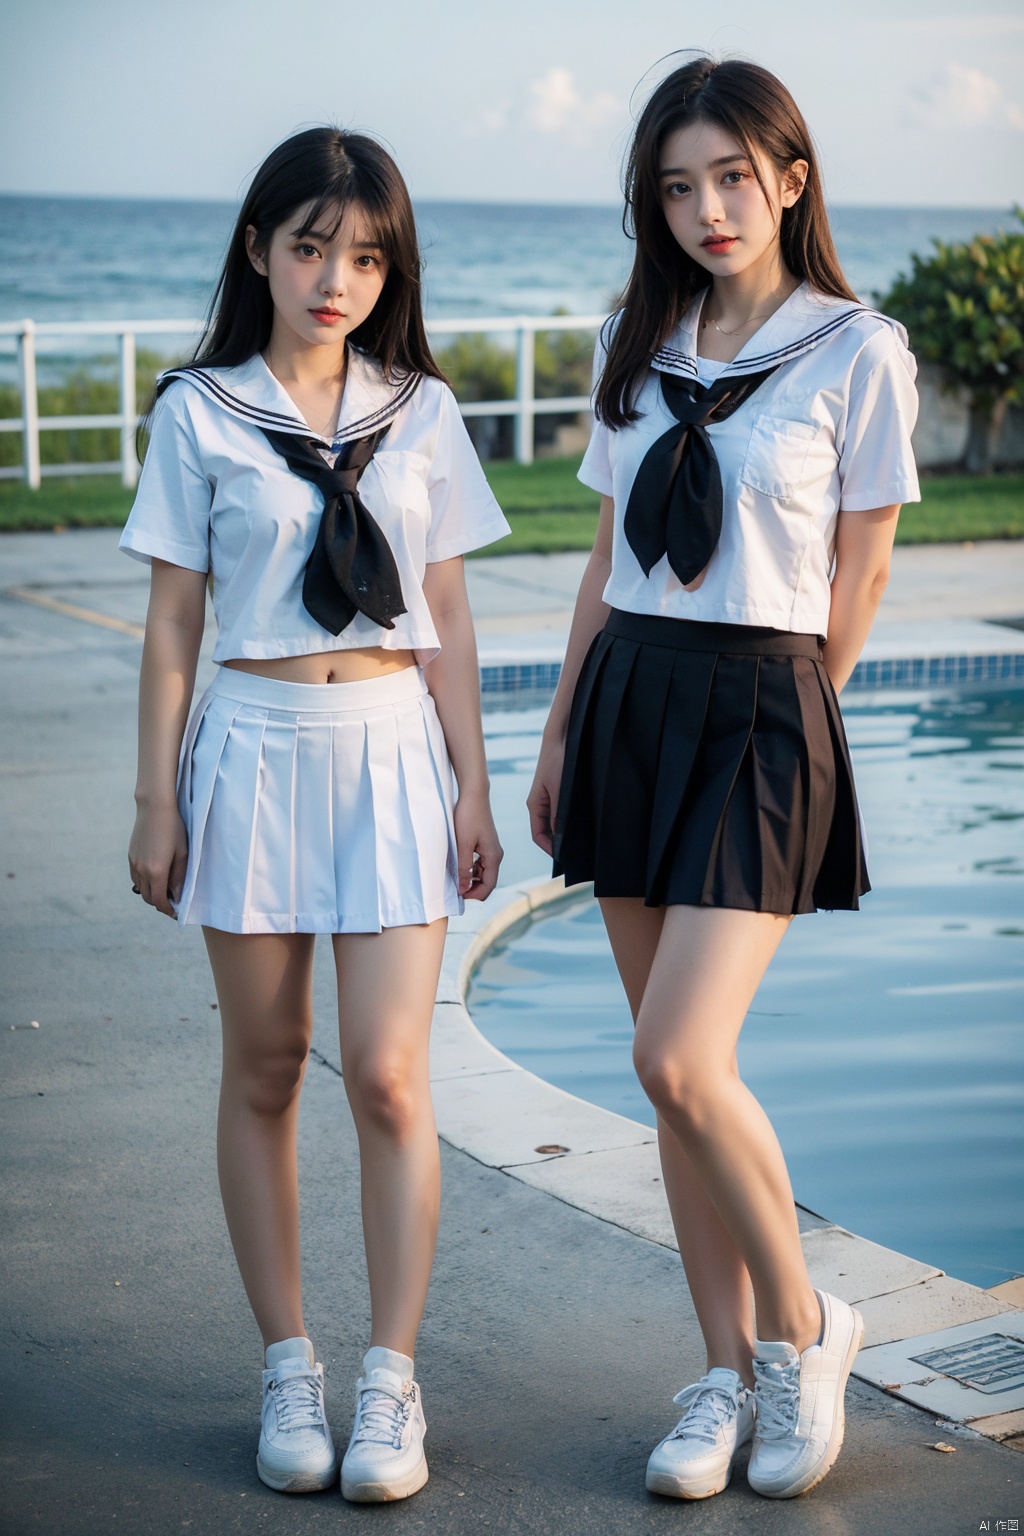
912 101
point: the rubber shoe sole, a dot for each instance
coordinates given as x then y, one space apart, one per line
384 1493
677 1488
297 1482
818 1473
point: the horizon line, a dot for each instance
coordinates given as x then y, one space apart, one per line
482 202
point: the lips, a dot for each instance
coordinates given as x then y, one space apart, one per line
327 316
718 245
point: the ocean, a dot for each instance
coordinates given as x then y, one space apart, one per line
85 259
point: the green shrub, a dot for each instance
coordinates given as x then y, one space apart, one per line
964 309
478 367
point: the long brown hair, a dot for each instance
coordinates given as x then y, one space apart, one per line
757 110
329 171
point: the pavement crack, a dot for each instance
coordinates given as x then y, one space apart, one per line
322 1061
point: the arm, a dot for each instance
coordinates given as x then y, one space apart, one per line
588 618
863 552
158 850
453 678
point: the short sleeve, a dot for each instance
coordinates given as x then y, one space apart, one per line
463 512
596 469
170 519
876 461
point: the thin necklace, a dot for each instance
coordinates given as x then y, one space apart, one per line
706 320
721 329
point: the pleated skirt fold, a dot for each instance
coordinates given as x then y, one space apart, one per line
317 808
707 765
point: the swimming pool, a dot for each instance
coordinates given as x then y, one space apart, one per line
887 1045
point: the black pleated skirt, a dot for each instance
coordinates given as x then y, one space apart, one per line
707 765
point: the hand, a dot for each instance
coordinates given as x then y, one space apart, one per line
480 853
157 856
542 801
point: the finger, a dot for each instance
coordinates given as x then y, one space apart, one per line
466 854
176 879
485 873
539 806
153 885
487 880
540 831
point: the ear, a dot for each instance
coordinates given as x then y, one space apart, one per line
793 183
253 251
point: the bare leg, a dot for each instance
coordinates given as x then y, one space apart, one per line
263 986
705 973
386 988
725 1176
715 1272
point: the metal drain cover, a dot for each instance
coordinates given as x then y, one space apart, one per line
993 1363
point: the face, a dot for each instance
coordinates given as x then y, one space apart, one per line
322 286
713 203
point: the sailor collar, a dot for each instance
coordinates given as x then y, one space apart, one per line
803 322
251 393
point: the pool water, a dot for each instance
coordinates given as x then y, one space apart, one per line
886 1045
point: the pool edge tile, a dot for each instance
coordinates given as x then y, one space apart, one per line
934 1304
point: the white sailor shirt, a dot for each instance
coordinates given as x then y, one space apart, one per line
214 494
829 430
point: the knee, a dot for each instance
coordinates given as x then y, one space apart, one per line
684 1093
388 1095
271 1082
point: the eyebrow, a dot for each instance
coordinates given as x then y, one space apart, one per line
680 170
325 239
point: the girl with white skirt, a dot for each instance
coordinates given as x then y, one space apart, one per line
311 464
752 449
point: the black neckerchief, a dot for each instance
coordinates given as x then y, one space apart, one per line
680 514
351 568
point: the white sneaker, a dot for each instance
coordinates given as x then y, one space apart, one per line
695 1460
296 1452
800 1417
385 1457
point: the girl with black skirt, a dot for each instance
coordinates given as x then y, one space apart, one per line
752 450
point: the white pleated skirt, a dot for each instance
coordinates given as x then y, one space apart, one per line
317 808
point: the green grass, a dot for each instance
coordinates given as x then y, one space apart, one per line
550 510
94 501
957 509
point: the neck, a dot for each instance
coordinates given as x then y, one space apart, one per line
750 295
293 361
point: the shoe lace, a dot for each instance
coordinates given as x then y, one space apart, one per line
707 1409
298 1399
778 1398
382 1417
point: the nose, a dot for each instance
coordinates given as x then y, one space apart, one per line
332 279
709 208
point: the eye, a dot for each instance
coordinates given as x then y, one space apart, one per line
305 249
368 262
676 188
733 178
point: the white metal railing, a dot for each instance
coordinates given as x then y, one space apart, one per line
524 405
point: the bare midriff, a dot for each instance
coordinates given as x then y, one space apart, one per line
328 666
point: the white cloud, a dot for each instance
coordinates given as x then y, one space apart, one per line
963 97
494 119
557 107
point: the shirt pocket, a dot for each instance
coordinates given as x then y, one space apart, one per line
776 457
396 489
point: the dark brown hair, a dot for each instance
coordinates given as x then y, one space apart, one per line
324 171
757 110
